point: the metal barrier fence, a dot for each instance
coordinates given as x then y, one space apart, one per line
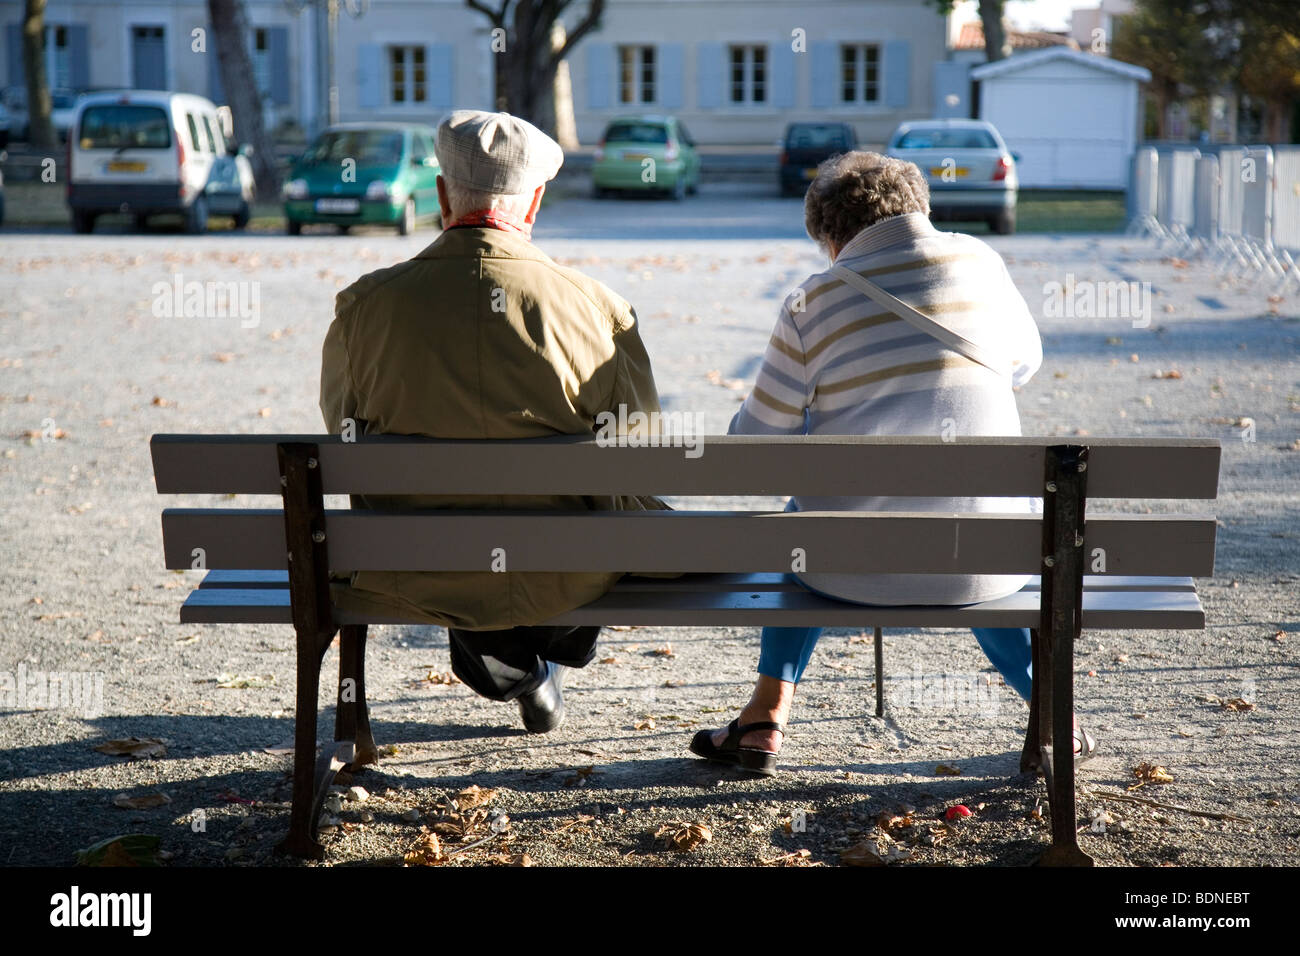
1238 204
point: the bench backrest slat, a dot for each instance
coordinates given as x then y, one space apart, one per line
692 541
822 465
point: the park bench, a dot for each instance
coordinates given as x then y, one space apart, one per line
273 565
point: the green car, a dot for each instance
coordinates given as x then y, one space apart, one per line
355 174
648 153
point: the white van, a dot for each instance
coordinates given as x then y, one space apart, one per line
143 152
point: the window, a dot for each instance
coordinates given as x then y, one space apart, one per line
407 74
125 127
419 152
748 78
262 61
58 63
860 73
636 74
194 132
213 141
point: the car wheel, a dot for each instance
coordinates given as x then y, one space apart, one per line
406 225
599 192
196 217
141 222
693 188
242 217
678 191
344 229
293 227
82 221
1004 224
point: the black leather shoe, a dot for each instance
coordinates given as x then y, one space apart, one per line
543 709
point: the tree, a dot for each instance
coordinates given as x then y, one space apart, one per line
230 33
39 106
526 57
996 46
1169 39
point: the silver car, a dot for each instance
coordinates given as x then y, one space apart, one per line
971 172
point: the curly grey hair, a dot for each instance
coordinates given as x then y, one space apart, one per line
857 189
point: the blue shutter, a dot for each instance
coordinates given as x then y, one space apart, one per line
600 76
782 78
825 62
370 68
441 58
711 74
14 53
216 91
671 76
78 56
277 48
898 71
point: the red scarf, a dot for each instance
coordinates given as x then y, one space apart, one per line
494 219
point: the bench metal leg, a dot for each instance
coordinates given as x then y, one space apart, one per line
352 716
1060 622
880 672
307 795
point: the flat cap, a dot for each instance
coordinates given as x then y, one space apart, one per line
496 152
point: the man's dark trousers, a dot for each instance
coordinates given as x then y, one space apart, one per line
502 665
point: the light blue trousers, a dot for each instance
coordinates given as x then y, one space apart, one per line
786 652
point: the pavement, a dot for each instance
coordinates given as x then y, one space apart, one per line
91 366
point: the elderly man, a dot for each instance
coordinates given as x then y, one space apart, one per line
482 335
850 357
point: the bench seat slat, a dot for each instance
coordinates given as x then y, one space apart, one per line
820 465
758 581
666 604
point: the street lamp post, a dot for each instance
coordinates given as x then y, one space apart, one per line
326 33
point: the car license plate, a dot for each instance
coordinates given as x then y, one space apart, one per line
126 166
947 172
810 173
338 205
635 157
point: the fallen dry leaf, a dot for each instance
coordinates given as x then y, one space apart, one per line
947 770
134 747
1147 772
161 402
863 853
245 681
1172 373
473 796
665 651
684 837
427 851
646 724
143 802
1237 704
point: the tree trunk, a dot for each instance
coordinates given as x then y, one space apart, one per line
995 34
40 128
230 33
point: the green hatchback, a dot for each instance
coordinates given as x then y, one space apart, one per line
646 153
355 174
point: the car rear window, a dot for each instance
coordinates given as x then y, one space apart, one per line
118 126
369 147
817 137
636 133
946 139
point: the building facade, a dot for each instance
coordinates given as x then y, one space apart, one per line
736 71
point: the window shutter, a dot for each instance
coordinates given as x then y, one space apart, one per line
825 64
216 91
277 43
782 77
370 75
78 56
441 60
600 76
14 53
711 73
670 75
897 73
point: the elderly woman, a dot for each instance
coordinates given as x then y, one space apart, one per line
838 363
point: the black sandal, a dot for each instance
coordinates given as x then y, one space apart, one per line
749 759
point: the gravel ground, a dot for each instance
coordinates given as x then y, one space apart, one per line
88 373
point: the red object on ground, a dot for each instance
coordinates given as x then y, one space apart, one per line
960 810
